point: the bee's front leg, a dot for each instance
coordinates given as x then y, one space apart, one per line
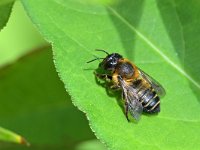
115 87
103 76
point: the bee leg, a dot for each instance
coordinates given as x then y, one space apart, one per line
126 111
115 87
103 76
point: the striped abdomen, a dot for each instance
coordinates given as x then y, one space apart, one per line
147 96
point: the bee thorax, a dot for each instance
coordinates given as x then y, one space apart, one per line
125 70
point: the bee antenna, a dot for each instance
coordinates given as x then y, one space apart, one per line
97 58
102 51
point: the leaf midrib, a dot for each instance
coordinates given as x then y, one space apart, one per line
155 48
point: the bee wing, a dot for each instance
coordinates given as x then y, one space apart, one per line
134 106
155 84
131 99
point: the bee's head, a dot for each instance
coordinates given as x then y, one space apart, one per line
109 62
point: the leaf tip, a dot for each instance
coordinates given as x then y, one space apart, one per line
24 141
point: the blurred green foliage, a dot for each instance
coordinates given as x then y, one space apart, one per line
5 10
19 37
33 101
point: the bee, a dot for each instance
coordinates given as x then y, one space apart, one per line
140 92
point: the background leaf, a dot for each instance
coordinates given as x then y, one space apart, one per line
19 37
137 30
35 105
5 10
9 136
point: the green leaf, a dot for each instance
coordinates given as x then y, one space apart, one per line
138 30
34 104
3 2
9 136
5 10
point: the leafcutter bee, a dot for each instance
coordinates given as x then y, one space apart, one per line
140 92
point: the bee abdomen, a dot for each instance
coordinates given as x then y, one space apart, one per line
153 105
150 101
